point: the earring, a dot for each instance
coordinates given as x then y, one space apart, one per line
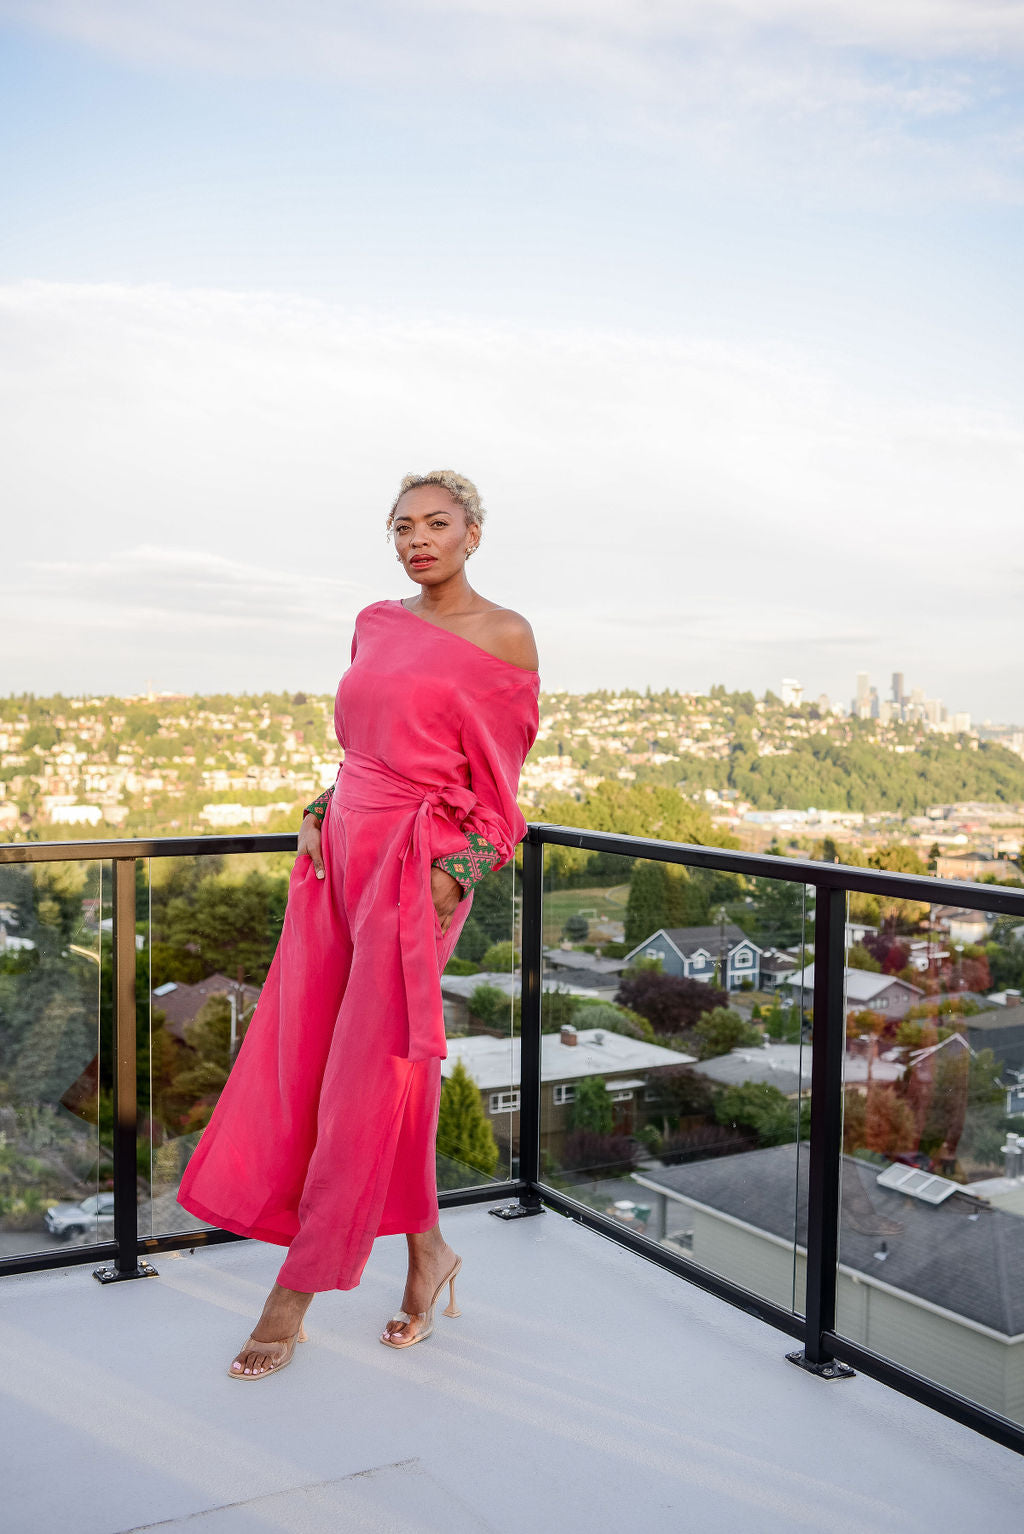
399 558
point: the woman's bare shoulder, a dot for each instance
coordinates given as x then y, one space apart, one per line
509 637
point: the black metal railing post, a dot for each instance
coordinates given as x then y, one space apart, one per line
532 961
126 1116
826 1139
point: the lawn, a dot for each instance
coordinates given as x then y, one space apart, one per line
597 904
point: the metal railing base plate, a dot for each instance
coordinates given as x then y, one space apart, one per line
828 1369
115 1275
517 1210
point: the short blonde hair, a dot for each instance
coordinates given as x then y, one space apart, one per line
462 491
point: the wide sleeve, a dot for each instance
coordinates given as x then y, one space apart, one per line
495 737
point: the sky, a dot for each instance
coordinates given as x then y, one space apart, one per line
719 302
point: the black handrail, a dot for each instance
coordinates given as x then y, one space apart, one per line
823 1348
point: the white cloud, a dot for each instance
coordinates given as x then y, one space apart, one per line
199 482
922 95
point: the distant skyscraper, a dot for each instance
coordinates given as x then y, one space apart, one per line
897 692
861 705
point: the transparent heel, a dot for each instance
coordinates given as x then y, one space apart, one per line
425 1318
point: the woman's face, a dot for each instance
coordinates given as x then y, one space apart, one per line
431 534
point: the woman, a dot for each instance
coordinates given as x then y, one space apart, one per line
324 1136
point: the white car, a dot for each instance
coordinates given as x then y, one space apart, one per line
93 1218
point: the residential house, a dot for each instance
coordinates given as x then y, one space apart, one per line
699 953
1000 1029
865 991
928 1274
787 1067
626 1065
776 964
181 1004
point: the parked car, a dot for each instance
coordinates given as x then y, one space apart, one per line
93 1217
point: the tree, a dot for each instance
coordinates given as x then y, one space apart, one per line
779 912
671 1003
763 1111
680 1093
859 957
489 1005
721 1030
576 928
604 1014
660 897
464 1133
500 958
591 1108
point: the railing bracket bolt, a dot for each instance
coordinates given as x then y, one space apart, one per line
830 1370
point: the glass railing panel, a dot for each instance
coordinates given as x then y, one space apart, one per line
213 922
478 1120
55 1099
676 1063
931 1244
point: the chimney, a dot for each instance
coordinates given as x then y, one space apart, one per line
568 1034
1013 998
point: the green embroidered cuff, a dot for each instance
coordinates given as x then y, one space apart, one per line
470 865
319 805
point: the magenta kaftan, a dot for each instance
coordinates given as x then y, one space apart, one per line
324 1134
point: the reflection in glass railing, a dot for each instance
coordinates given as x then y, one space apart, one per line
676 1058
932 1226
55 1102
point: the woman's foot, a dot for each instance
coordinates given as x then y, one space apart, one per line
431 1260
281 1319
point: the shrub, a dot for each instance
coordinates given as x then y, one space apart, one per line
610 1155
722 1030
681 1092
671 1003
488 1004
603 1014
501 957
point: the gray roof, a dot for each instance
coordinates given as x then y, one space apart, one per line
764 1066
689 939
993 1018
971 1266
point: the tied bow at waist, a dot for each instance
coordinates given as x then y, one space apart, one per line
365 783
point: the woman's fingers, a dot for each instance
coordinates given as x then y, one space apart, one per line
317 856
310 846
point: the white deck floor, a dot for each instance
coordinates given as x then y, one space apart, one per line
582 1389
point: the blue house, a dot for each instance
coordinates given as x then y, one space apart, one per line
696 952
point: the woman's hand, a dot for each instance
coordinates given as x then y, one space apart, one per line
309 844
446 893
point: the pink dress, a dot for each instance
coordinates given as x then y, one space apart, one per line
324 1135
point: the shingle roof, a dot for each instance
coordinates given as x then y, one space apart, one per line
494 1063
689 939
963 1255
861 984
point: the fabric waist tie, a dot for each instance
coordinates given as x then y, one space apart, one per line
365 783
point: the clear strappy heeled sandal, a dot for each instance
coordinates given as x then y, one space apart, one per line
425 1316
278 1360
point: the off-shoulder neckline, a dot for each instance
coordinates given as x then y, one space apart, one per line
523 670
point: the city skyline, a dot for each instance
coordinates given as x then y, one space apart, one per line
722 308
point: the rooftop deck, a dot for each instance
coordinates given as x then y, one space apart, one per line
583 1388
